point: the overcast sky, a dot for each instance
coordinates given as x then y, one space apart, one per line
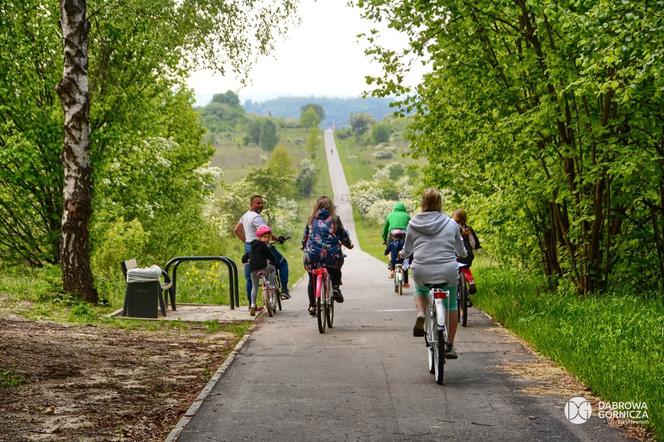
321 57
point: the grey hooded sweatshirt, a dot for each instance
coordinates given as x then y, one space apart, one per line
436 241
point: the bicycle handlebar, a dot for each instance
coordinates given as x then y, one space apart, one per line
281 239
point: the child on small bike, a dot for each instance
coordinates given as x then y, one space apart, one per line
394 228
323 237
393 248
261 259
471 242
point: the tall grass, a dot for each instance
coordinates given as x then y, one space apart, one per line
614 344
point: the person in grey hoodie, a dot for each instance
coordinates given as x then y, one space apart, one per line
435 240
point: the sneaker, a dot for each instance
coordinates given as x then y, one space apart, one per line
312 310
418 330
450 352
252 310
337 296
406 285
391 275
285 295
471 288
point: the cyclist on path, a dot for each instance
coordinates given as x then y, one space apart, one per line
246 231
261 259
394 229
436 241
323 237
471 242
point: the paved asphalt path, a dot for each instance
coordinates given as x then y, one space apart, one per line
366 379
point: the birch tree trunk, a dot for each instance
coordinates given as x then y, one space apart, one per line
77 193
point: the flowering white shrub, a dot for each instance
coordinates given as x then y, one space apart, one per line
364 194
391 172
375 199
224 210
380 209
281 215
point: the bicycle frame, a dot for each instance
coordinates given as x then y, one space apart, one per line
322 277
324 301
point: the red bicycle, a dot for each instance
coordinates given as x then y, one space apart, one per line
324 300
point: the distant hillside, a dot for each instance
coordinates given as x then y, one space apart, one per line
337 110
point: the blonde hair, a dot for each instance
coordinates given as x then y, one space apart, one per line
322 203
432 201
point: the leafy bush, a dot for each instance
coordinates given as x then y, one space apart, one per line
304 182
344 133
380 133
82 312
391 171
383 155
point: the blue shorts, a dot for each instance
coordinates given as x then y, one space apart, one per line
451 301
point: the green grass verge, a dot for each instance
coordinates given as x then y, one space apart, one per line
360 163
614 344
370 236
35 294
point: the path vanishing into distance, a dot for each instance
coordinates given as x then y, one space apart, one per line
367 379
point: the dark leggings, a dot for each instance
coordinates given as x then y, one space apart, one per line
335 277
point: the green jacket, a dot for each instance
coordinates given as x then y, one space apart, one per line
397 219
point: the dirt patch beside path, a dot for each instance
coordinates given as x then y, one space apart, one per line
99 383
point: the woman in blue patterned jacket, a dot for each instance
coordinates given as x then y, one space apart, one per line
323 237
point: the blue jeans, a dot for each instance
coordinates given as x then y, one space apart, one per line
282 265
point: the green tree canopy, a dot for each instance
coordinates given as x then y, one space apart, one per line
320 112
546 118
360 123
268 137
309 118
138 64
229 97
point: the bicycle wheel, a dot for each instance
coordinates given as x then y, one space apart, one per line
274 296
439 357
329 313
463 298
429 340
277 291
320 309
267 302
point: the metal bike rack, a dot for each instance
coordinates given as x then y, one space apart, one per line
232 273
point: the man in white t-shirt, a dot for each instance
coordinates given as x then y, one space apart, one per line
246 231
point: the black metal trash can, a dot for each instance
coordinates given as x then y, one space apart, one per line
141 299
142 293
